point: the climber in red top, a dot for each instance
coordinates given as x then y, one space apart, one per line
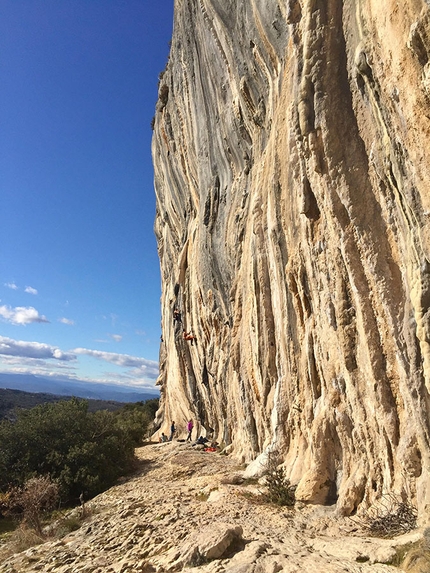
188 336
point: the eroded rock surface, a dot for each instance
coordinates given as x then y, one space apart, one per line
181 511
292 176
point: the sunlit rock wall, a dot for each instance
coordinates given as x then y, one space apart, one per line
291 151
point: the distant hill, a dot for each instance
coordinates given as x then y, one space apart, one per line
78 388
11 399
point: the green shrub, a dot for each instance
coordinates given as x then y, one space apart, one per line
135 419
279 489
67 525
83 452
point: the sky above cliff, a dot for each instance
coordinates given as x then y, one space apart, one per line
79 272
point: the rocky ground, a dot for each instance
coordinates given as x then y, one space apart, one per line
186 508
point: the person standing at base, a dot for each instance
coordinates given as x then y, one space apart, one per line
190 427
172 431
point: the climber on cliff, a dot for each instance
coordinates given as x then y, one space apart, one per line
190 427
176 315
188 336
172 431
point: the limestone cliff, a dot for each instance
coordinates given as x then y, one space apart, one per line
293 203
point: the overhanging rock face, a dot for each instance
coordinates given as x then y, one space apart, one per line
292 172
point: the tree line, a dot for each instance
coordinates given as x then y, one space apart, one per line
83 452
11 400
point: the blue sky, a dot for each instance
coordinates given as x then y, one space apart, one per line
79 272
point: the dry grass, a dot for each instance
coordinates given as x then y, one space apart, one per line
19 540
24 537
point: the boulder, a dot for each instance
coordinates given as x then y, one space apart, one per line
212 543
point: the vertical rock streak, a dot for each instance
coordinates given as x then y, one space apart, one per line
292 225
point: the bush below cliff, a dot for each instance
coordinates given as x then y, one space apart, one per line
84 452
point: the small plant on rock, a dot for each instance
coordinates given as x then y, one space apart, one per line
67 525
202 496
279 489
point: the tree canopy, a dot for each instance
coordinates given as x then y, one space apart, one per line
83 452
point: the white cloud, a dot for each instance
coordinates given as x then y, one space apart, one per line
36 366
116 337
148 368
66 321
38 350
21 315
30 290
66 372
11 285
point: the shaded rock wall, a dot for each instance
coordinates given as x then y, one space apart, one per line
293 226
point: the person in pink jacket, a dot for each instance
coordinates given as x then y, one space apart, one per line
190 427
